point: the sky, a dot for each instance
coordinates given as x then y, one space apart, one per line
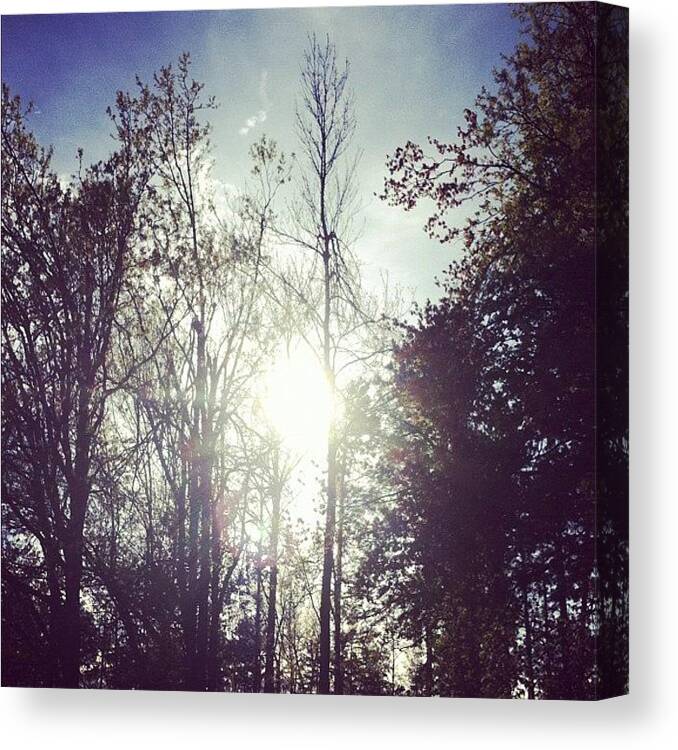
413 69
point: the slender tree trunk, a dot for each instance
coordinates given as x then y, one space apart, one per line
330 513
189 609
203 593
269 670
256 667
198 615
206 454
338 642
216 601
325 127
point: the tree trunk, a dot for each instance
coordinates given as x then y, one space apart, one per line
330 513
256 667
197 615
73 543
71 614
338 642
73 580
269 670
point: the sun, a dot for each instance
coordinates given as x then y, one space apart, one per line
298 402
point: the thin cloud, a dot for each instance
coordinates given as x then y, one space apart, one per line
253 121
263 88
260 116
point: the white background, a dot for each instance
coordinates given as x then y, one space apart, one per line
645 719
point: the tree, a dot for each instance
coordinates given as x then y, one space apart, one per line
325 126
203 314
526 291
67 255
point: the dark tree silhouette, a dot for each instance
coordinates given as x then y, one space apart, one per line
512 348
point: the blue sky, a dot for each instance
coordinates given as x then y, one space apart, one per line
413 68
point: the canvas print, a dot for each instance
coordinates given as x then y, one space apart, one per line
314 351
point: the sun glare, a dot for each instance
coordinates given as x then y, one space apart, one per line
298 402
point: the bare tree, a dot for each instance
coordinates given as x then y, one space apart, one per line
322 221
206 269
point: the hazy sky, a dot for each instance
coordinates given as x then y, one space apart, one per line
414 69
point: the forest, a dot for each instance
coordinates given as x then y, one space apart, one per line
230 464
